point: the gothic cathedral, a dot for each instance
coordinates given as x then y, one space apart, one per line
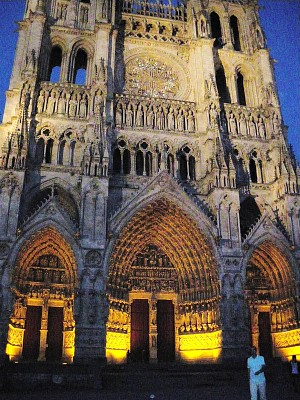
149 200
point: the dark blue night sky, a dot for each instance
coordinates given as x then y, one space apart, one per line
280 20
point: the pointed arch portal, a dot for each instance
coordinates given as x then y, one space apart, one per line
42 324
163 289
271 295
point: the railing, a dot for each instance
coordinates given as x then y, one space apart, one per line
155 9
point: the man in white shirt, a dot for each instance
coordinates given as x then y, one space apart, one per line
256 366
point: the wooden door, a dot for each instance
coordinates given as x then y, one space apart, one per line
165 331
265 338
139 330
31 342
55 334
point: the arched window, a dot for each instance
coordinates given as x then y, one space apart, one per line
139 163
216 32
72 152
117 161
192 168
183 167
39 152
186 164
148 163
170 164
249 214
80 67
126 162
62 145
222 86
55 64
235 35
253 171
241 89
261 171
48 153
13 162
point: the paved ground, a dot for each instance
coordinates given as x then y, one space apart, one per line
140 384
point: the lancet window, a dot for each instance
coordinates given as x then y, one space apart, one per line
80 68
222 86
255 168
66 150
39 151
240 90
186 164
143 161
55 64
48 151
121 159
235 34
216 31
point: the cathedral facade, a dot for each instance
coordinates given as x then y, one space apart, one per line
149 200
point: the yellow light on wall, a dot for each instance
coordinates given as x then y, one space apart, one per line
14 343
117 345
201 348
287 344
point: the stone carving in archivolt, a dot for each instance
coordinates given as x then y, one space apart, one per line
150 75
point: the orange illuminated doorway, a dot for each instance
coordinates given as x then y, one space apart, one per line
140 330
31 342
55 335
264 338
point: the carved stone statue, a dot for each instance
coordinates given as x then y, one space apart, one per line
232 124
243 125
72 106
119 115
190 122
261 128
139 120
40 102
252 127
62 102
51 103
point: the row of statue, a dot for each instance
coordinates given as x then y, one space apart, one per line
153 285
46 275
69 103
154 9
65 12
168 117
199 317
284 317
243 124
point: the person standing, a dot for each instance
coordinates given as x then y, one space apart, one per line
295 373
257 381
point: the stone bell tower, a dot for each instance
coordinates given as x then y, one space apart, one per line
146 176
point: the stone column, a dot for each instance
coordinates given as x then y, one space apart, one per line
44 331
153 331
